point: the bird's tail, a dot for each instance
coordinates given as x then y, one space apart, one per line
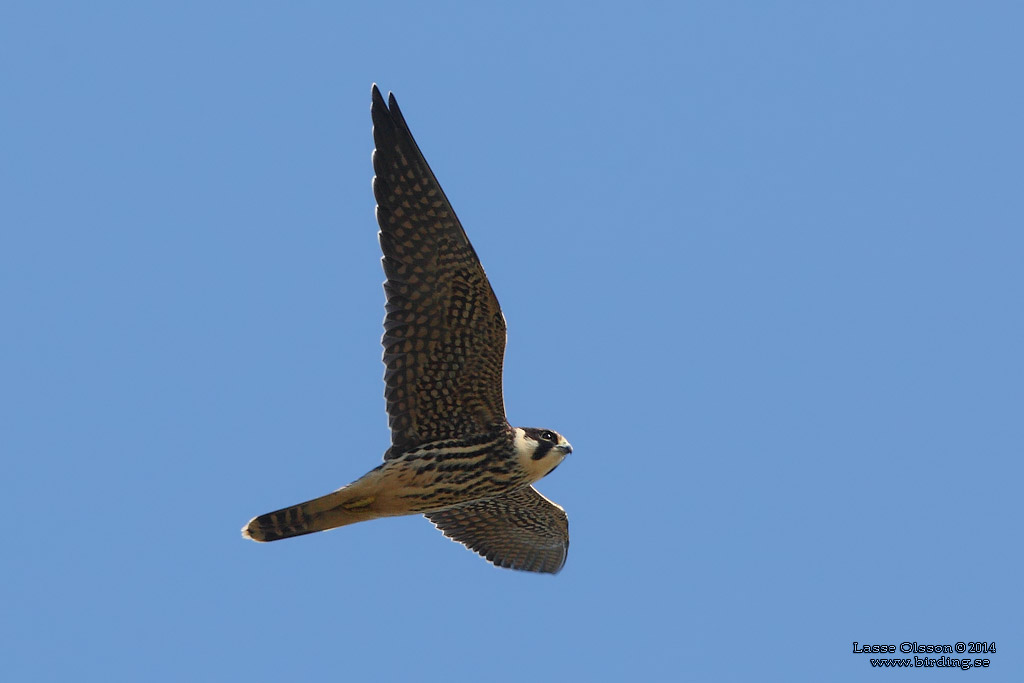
345 506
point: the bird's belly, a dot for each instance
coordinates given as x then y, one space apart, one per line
419 484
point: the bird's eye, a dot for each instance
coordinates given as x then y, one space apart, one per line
549 436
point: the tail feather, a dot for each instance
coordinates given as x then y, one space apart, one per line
326 512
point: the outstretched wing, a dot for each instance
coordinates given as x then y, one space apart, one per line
519 530
444 334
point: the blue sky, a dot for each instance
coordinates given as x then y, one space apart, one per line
760 262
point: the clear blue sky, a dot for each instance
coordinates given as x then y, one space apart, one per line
761 264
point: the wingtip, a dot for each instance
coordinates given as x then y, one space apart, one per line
386 112
376 97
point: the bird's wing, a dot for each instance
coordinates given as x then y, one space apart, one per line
444 334
518 530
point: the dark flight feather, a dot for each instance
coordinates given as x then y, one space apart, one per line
444 333
518 530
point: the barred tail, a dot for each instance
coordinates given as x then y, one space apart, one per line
340 508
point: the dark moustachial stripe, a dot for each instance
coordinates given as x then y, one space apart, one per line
543 447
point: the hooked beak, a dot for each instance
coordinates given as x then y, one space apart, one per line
565 448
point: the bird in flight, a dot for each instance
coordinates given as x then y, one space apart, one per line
454 458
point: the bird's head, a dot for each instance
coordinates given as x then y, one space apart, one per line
540 450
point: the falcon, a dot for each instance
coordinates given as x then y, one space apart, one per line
453 458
